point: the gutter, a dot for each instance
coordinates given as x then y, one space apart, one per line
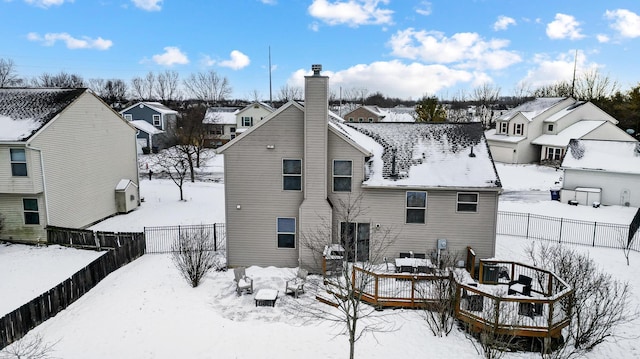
44 182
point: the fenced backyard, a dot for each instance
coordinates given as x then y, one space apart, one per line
162 239
121 249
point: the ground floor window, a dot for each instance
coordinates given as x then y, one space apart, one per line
354 238
554 153
286 232
31 213
467 202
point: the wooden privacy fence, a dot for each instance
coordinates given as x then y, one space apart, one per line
162 239
563 230
121 248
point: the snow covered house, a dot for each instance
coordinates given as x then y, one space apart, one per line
607 172
225 123
540 130
285 177
157 115
370 113
64 154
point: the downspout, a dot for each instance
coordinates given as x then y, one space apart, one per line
44 183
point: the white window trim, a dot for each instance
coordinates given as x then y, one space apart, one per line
458 202
291 175
25 211
295 239
551 152
12 162
159 120
426 203
504 127
128 117
518 129
333 175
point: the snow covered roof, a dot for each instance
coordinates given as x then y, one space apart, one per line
601 155
259 103
398 114
565 111
221 115
23 111
145 126
424 155
577 131
493 136
532 108
154 105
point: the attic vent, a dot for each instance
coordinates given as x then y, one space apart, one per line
316 68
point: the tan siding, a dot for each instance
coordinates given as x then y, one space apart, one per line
86 151
253 180
12 208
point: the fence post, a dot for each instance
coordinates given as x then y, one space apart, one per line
595 224
215 238
528 218
560 234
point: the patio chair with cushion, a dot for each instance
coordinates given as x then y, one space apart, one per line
243 283
521 286
295 286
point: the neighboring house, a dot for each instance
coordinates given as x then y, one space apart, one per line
66 159
540 130
285 177
157 115
148 131
377 114
607 172
225 123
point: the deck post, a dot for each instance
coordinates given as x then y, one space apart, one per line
375 293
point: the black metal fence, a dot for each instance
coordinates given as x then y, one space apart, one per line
121 249
163 239
563 230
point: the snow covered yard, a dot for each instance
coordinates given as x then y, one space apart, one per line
146 310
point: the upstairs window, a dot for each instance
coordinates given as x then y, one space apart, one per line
504 127
416 207
292 175
518 129
247 121
467 202
18 162
286 232
342 173
31 213
128 117
370 119
232 129
350 119
550 128
156 120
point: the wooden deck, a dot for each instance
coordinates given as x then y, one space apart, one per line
484 305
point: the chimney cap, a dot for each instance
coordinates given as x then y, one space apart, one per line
316 68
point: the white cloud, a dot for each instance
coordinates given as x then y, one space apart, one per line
503 23
392 78
237 61
46 3
171 56
207 61
71 42
424 8
549 70
563 27
148 5
269 2
602 38
627 23
463 49
352 12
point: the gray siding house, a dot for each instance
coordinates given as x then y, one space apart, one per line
66 159
161 119
287 176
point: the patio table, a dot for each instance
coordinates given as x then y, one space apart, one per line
266 297
412 262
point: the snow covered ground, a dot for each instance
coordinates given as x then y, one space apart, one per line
146 310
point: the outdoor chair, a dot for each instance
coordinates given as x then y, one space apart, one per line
243 283
521 286
295 286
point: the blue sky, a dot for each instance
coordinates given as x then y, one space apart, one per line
400 48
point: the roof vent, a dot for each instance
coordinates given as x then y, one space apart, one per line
472 154
316 68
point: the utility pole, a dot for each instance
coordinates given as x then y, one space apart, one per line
573 82
270 93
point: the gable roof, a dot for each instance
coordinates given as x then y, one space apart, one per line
157 106
532 109
425 155
577 131
602 155
261 104
145 126
220 115
23 111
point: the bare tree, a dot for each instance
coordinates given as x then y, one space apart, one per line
167 86
440 311
485 97
290 93
195 254
592 85
8 75
60 80
599 304
143 88
32 347
208 87
558 89
345 290
490 342
191 134
172 163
